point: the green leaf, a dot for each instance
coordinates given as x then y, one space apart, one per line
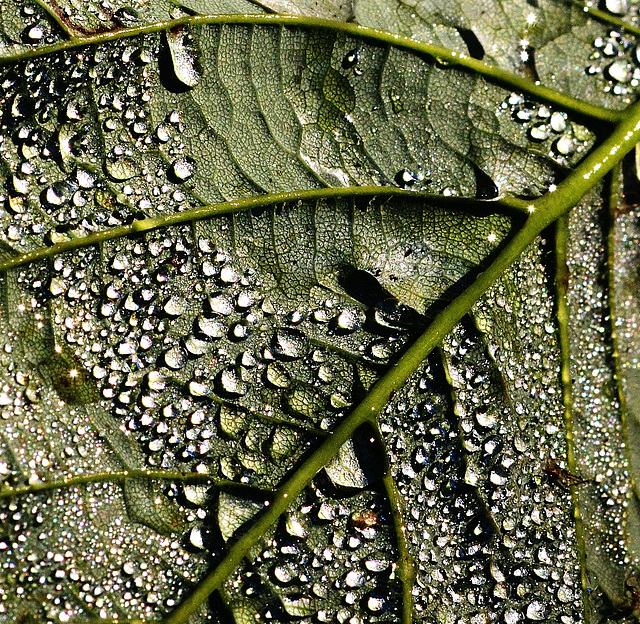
306 321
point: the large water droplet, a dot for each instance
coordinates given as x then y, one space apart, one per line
617 7
182 169
230 382
290 344
183 56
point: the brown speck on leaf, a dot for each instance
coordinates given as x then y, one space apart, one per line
364 519
561 476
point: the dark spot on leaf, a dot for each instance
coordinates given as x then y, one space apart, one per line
473 44
485 187
364 287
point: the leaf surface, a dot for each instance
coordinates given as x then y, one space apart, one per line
269 352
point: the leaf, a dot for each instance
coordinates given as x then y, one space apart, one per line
269 351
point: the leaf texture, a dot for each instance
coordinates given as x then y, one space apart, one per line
269 354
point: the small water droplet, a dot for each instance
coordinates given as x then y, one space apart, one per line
406 179
350 59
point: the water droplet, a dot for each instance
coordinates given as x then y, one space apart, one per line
195 346
537 611
175 306
121 168
230 382
620 71
558 122
198 389
35 33
539 132
183 56
406 179
175 358
229 275
380 350
351 320
290 344
182 169
126 16
294 526
220 304
196 538
375 604
617 7
511 616
354 578
350 59
283 574
565 145
210 327
277 376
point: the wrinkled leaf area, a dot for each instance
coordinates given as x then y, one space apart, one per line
232 347
210 375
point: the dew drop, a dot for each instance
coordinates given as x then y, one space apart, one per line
175 358
196 538
350 320
620 71
537 611
354 578
182 169
229 275
210 327
565 145
183 56
277 376
220 304
617 7
350 59
121 168
230 382
35 33
558 122
539 132
289 344
406 179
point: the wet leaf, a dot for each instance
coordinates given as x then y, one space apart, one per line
305 321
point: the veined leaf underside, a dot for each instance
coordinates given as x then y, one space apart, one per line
330 404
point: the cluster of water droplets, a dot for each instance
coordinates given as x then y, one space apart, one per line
487 528
328 560
616 57
552 131
87 158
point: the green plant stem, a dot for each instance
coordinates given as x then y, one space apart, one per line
239 205
440 54
607 18
112 477
544 211
562 314
406 563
